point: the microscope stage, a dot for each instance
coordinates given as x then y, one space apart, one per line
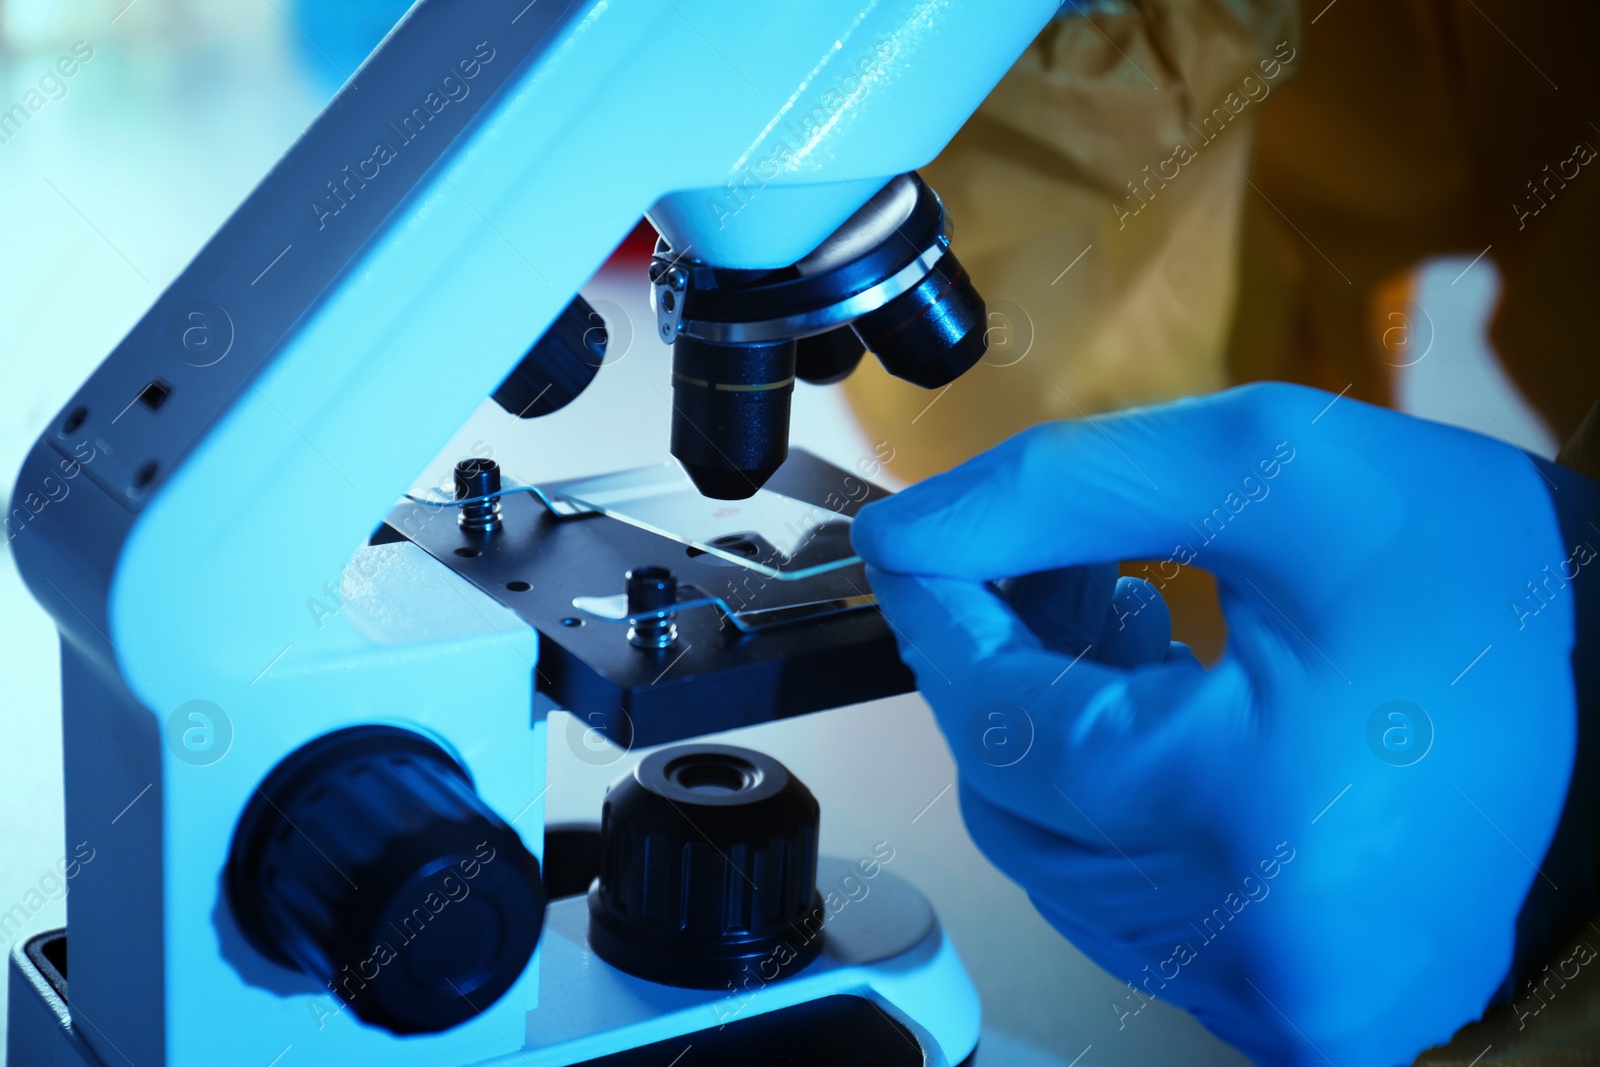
713 677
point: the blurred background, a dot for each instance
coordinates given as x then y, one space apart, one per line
175 109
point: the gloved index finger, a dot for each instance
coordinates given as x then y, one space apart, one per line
1174 481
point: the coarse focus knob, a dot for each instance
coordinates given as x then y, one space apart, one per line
708 869
367 861
559 366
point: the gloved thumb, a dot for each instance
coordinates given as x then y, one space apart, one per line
1000 694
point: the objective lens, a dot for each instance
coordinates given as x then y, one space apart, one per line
829 357
730 413
933 334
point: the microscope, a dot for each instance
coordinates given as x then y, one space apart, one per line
305 725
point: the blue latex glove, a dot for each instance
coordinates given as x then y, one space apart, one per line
1322 846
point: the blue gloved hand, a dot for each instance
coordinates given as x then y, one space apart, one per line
1323 845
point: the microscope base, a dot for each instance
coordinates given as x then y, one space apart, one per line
39 1026
887 989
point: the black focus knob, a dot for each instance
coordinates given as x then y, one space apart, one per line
708 868
559 366
367 861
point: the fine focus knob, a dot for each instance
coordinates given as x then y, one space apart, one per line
708 868
367 861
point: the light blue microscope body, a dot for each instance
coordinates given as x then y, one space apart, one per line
314 356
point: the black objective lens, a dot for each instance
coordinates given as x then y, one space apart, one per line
828 358
730 413
933 334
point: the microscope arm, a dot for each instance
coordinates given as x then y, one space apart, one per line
374 298
234 450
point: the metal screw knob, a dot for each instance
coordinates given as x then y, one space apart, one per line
652 589
477 478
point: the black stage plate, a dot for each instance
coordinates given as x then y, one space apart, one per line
714 678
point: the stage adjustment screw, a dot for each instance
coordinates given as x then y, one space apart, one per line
476 478
652 589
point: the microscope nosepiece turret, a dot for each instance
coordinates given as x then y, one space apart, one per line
885 281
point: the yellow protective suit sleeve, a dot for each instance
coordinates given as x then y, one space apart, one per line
1422 128
1165 197
1096 199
